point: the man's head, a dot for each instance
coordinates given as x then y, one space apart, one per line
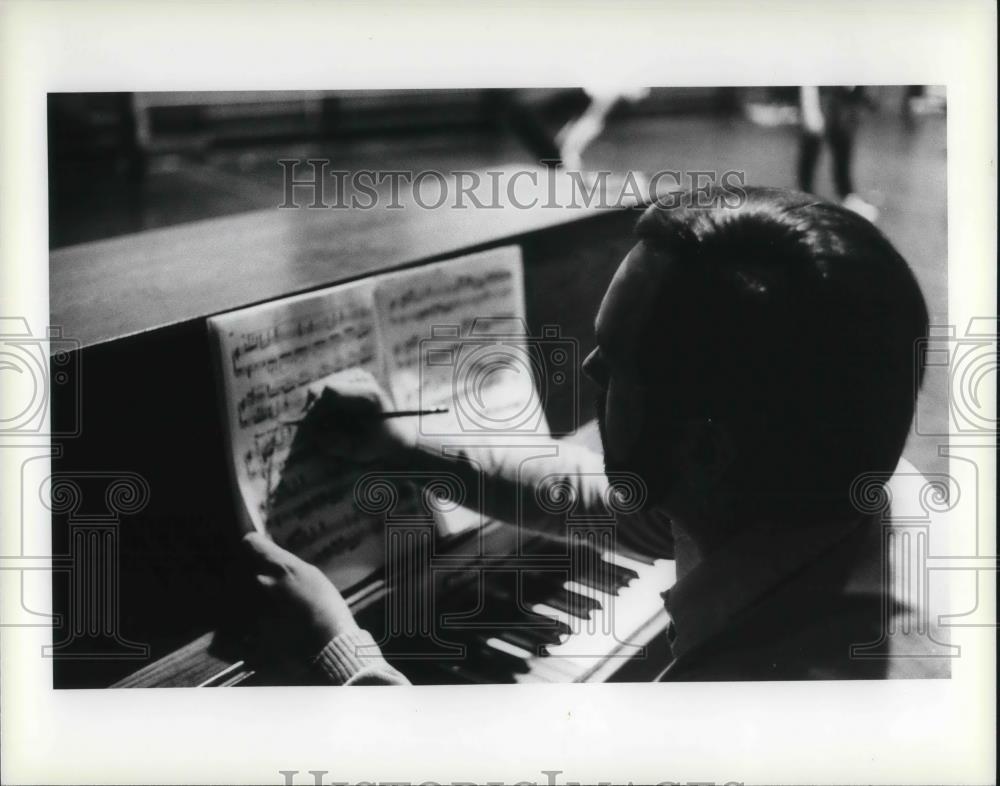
756 359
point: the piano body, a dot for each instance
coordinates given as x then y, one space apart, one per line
146 581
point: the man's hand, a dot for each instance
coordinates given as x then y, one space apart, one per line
344 420
303 610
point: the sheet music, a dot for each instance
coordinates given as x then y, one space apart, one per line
455 336
268 357
402 328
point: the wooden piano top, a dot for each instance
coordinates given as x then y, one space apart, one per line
126 285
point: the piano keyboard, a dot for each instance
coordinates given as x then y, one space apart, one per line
547 621
548 626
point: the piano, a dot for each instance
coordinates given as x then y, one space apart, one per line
146 584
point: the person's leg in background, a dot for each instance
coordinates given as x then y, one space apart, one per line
809 149
811 128
533 116
841 110
841 127
580 131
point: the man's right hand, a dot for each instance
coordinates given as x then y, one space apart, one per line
344 420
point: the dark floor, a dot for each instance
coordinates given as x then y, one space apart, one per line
900 168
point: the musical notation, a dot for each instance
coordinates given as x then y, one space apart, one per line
454 295
329 321
269 400
272 355
324 535
452 289
351 346
406 354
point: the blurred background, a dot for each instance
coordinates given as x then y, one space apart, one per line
125 162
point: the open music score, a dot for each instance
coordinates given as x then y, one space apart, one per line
267 357
456 338
270 356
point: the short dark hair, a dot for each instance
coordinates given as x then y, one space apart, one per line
795 323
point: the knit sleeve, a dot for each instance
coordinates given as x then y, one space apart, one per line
353 658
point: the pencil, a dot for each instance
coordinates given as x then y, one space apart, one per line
407 413
385 415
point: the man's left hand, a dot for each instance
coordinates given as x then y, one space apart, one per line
303 610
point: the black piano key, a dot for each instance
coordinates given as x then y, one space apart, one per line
484 659
622 574
591 567
529 626
625 551
516 664
526 640
501 613
542 587
601 580
571 603
475 677
550 631
529 587
537 584
534 629
501 605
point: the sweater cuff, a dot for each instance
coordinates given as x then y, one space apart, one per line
347 654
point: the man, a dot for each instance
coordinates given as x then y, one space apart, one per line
754 362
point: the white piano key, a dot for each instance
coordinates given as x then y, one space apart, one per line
533 679
545 667
556 669
607 630
589 644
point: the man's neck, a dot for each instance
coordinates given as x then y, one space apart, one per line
687 554
696 537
